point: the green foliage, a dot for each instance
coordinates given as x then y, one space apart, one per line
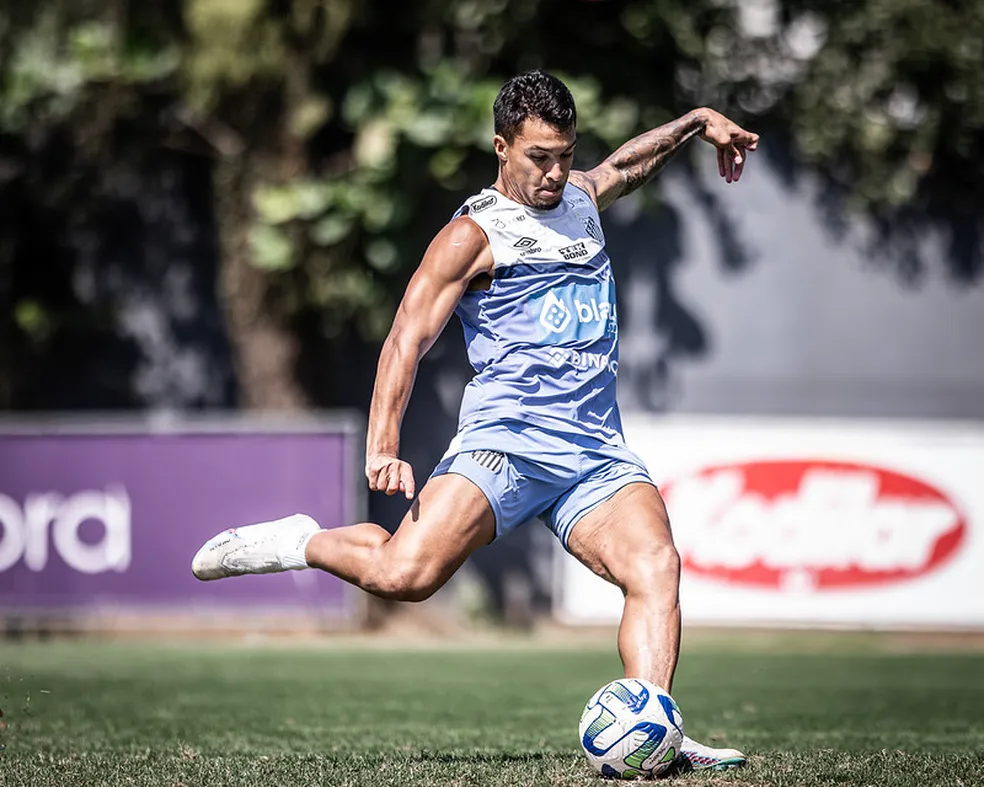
350 146
55 63
411 133
232 44
352 130
417 136
31 318
883 98
894 95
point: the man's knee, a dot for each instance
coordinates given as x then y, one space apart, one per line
404 582
653 569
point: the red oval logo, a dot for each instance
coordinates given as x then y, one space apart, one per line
810 525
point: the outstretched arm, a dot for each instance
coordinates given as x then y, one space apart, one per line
639 159
457 254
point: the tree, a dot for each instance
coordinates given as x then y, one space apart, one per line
337 134
78 103
327 126
883 98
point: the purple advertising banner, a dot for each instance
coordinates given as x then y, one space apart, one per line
112 515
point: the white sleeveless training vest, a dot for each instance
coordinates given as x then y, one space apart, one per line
543 339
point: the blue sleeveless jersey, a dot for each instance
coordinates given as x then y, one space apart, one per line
543 339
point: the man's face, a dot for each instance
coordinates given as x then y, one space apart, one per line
537 162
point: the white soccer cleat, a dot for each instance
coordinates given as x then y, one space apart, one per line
265 548
696 756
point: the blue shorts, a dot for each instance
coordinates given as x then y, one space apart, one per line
527 471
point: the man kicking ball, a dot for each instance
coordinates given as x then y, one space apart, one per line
523 264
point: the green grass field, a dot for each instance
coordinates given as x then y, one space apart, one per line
89 713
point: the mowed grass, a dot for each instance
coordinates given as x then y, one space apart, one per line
85 713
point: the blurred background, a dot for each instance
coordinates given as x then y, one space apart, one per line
210 208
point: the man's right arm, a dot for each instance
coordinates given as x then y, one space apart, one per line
457 255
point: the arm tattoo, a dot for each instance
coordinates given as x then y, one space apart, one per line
642 157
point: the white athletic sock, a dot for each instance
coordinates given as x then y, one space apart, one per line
291 549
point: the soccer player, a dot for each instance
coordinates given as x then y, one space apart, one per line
524 266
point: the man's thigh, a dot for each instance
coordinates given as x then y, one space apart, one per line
449 520
622 532
516 487
600 479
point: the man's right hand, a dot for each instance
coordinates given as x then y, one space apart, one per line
390 474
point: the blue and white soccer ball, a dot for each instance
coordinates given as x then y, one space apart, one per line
631 729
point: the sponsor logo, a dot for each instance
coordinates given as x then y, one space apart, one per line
592 228
575 312
486 202
25 531
574 252
555 315
524 242
801 525
582 360
558 357
591 310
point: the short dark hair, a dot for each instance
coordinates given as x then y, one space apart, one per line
533 94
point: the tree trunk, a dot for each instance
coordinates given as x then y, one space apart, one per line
264 350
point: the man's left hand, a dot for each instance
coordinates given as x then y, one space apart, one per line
732 142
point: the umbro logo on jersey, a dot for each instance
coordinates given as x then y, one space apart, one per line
482 204
524 242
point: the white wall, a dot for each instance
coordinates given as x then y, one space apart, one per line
813 325
805 522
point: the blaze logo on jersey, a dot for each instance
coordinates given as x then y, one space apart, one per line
554 316
576 313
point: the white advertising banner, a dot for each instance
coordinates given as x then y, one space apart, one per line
811 522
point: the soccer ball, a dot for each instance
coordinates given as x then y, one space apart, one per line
631 729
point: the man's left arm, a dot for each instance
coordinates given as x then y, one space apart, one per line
639 159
